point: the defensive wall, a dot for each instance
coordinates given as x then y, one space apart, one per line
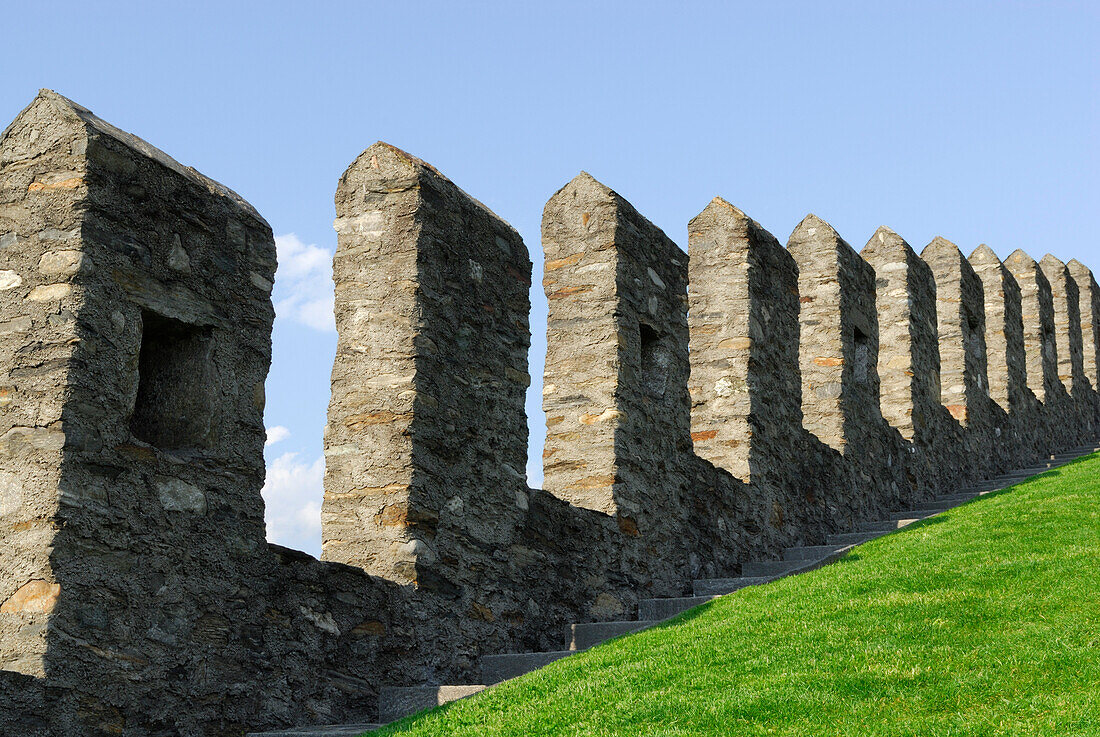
702 409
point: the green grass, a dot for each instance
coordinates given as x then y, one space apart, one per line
982 621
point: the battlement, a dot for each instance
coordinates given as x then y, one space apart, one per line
703 409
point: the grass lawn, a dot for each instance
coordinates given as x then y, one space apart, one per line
982 621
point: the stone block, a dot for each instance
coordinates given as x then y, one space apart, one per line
1004 330
1067 324
615 385
909 356
745 386
960 311
1037 316
427 434
839 336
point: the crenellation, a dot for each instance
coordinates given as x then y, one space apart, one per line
615 385
960 311
1067 324
1037 313
1004 334
909 356
443 344
839 328
137 591
135 436
745 387
1089 307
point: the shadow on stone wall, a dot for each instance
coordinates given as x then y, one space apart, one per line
807 388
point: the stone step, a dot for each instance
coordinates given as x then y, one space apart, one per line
395 702
988 486
883 526
1003 481
851 538
332 730
722 586
809 552
657 609
963 496
996 486
772 567
1015 477
590 634
497 668
937 505
912 515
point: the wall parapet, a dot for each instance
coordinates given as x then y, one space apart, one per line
704 409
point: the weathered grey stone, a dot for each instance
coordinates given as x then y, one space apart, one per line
431 370
839 327
1004 334
9 279
746 395
960 310
1067 324
178 260
62 263
135 582
1089 307
179 496
608 310
137 593
1038 319
909 357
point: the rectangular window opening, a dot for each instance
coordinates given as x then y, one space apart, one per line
176 390
655 360
862 359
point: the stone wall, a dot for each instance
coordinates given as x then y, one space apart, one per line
137 590
1089 309
427 440
746 395
909 357
703 409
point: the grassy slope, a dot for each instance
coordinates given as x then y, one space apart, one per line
982 621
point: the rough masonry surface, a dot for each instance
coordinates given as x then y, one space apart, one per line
703 409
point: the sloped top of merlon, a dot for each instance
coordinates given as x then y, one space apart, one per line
815 232
66 106
720 213
1078 269
1052 265
1019 259
885 241
584 189
983 254
395 169
719 209
941 247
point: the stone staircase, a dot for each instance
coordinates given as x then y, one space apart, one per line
396 702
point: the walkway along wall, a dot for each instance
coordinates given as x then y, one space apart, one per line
137 594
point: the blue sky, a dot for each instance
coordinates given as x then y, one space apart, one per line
976 121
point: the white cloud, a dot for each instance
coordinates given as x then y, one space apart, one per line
303 283
293 493
276 434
